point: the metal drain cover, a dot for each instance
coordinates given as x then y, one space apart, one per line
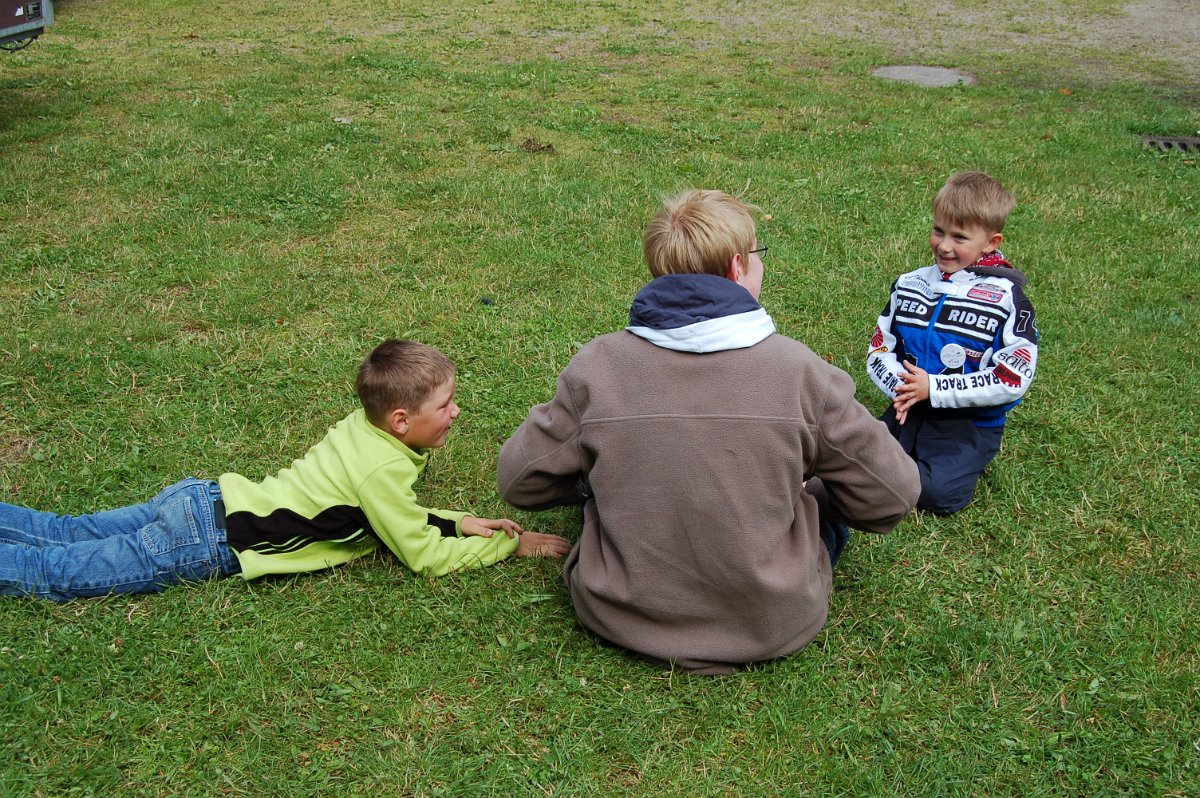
1166 143
934 77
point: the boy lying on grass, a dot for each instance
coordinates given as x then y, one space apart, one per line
349 493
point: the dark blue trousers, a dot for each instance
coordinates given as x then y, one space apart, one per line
951 452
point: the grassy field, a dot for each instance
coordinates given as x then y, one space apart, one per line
209 213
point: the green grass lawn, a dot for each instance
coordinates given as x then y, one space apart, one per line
209 213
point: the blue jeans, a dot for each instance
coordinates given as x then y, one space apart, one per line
176 536
835 536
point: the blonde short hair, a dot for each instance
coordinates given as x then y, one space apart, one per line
974 199
698 232
400 374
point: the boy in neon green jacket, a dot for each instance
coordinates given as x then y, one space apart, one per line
347 495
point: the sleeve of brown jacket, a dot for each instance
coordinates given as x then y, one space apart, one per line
868 480
540 465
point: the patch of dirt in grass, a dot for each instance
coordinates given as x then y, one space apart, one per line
535 147
15 450
1153 40
1166 27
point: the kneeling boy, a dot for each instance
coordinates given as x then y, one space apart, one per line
956 346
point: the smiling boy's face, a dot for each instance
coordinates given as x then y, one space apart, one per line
957 246
428 427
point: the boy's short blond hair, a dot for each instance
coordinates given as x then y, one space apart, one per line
400 374
698 232
974 199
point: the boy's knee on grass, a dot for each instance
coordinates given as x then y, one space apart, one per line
943 498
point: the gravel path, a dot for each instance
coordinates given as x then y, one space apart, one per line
1155 41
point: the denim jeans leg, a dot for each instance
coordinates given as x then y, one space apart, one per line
36 528
180 542
835 536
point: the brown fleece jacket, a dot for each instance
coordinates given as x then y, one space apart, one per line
700 545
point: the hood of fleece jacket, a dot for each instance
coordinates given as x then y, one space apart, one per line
698 313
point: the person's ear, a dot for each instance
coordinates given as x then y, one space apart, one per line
994 241
737 267
398 421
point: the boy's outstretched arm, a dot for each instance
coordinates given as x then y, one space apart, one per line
539 544
427 540
530 544
483 527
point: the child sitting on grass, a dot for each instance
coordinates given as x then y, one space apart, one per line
718 463
350 492
956 346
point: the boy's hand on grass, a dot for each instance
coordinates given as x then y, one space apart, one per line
483 527
537 544
914 388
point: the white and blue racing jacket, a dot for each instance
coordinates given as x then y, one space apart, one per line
973 331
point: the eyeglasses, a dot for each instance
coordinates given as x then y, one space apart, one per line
760 251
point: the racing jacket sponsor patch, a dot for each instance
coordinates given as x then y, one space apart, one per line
953 356
986 292
1019 360
916 284
1007 377
877 346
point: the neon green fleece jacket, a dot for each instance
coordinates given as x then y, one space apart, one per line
348 493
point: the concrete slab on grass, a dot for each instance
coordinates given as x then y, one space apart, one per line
934 77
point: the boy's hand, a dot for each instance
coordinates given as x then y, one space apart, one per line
914 388
484 526
537 544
